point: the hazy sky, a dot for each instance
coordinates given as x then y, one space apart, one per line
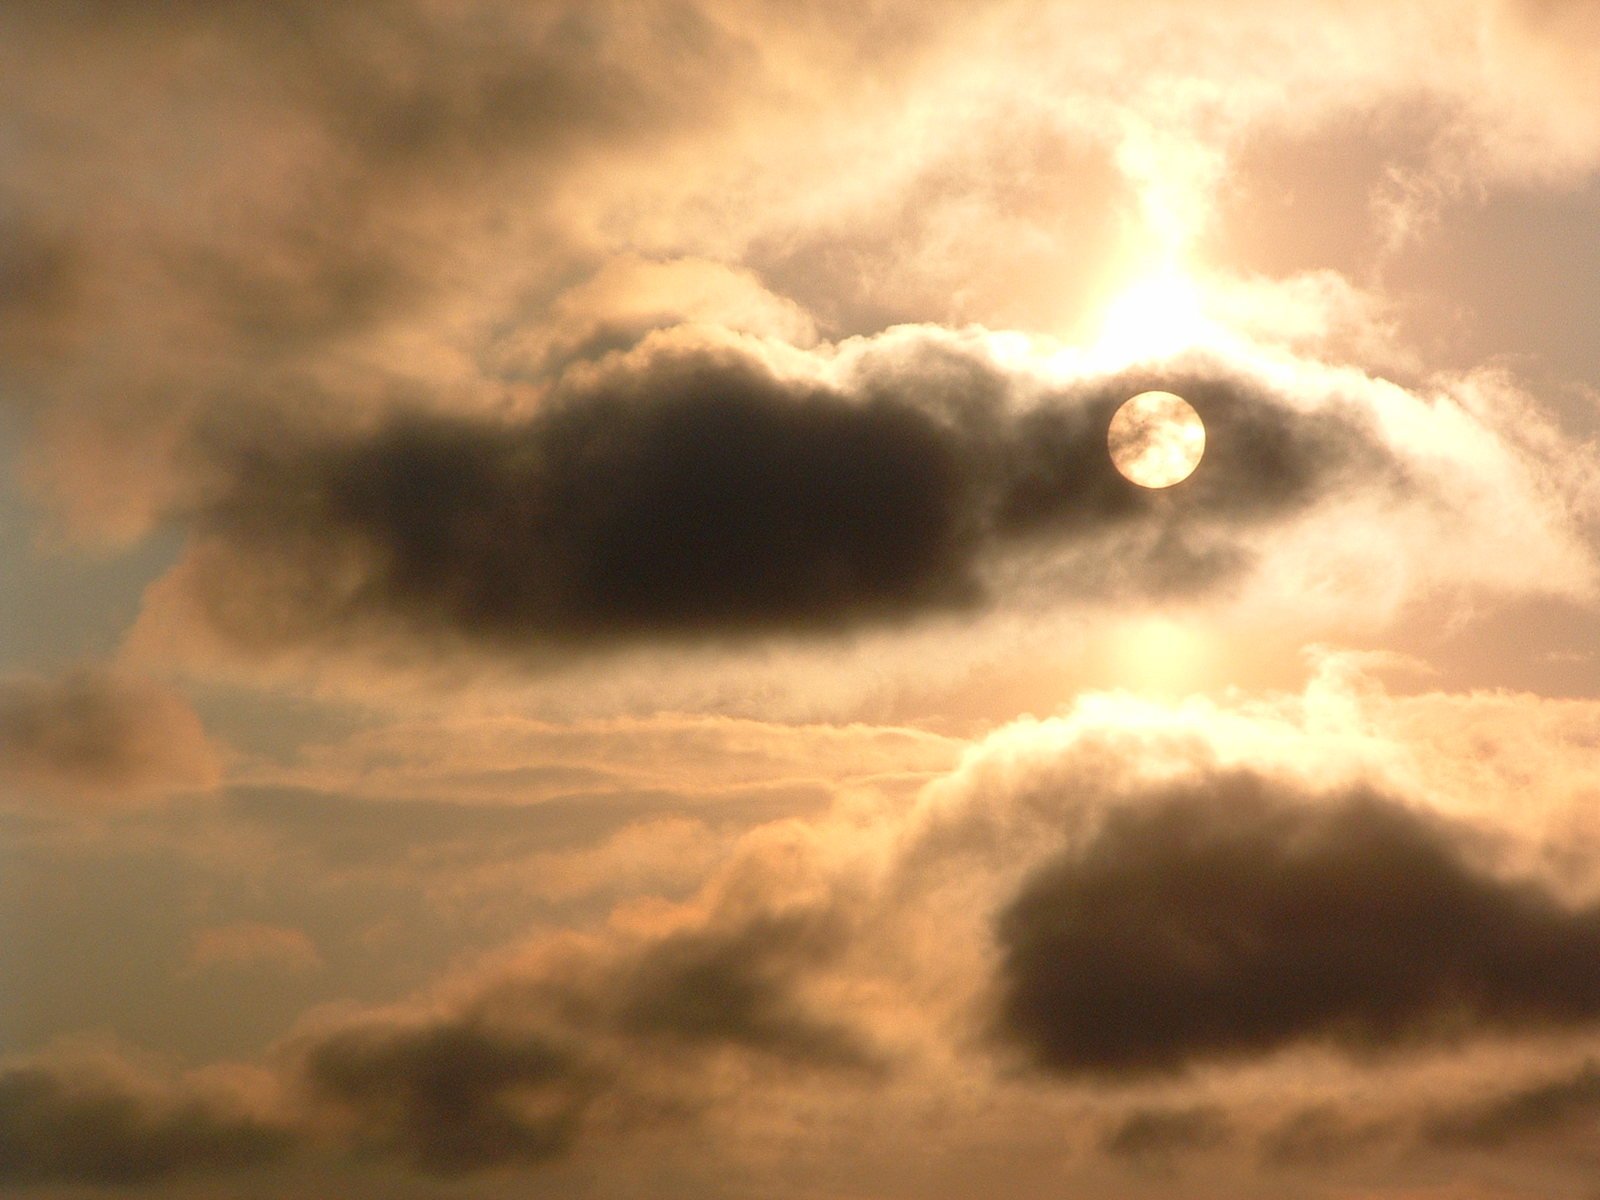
567 627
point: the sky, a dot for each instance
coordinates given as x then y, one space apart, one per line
570 628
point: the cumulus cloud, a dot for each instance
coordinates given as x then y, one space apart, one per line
691 491
92 737
1155 1135
453 198
1119 892
504 337
1568 1105
521 1061
526 1061
1229 918
310 182
101 1122
1201 901
738 986
450 1097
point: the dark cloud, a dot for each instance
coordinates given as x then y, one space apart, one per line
1154 1136
530 1064
1319 1135
1233 917
95 736
1548 1116
739 987
218 198
1565 1105
40 289
452 1096
64 1126
693 492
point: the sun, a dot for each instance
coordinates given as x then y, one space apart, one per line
1156 439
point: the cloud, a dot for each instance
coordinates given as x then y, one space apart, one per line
629 296
1565 1105
561 1043
515 340
253 944
1255 878
690 492
836 968
450 1097
511 757
307 210
1505 1110
585 1039
1319 1135
93 738
1231 917
739 986
75 1122
1154 1135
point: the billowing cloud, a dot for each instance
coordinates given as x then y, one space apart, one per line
334 205
1152 1136
520 409
1120 891
694 490
94 738
525 1062
1148 896
310 201
738 986
1228 918
450 1097
101 1122
522 1062
1549 1108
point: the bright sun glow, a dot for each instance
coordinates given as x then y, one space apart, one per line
1159 655
1158 315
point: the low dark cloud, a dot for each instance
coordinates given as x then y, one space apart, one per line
1564 1105
1155 1136
695 493
1233 917
1553 1115
1321 1134
530 1064
60 1125
741 987
452 1095
40 288
93 736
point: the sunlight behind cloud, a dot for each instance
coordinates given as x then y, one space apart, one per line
701 589
1160 314
1160 655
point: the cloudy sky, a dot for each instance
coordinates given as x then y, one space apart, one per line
570 629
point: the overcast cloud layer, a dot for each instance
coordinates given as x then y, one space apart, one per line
571 629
